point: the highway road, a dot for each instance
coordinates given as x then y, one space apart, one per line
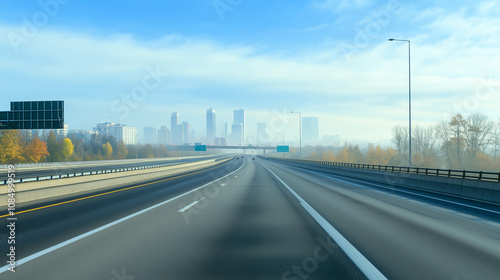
256 219
41 171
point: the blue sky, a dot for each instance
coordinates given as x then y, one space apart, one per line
325 58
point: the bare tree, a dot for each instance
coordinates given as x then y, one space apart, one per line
424 139
400 139
458 127
443 133
418 140
496 141
478 135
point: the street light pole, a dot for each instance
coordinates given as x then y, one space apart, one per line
409 90
300 132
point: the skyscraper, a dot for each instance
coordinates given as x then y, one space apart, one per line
210 126
310 130
174 126
164 136
237 134
185 132
239 118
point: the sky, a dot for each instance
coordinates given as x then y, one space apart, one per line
135 62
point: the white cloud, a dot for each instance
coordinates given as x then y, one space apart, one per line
452 55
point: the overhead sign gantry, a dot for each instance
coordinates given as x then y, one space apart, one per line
33 115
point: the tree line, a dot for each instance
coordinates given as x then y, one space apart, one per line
462 142
17 146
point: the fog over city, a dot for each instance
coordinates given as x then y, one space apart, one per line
325 59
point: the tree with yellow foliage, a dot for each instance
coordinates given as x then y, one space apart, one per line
376 155
393 156
67 148
350 154
122 151
329 156
10 150
108 150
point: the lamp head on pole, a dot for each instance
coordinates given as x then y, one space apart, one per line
399 40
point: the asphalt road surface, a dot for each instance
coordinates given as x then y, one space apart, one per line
255 219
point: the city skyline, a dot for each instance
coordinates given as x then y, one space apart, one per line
324 58
263 133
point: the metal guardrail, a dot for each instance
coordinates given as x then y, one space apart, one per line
75 163
463 174
77 174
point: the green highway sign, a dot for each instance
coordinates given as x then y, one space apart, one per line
283 149
200 148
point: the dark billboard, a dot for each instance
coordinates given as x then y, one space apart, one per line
33 115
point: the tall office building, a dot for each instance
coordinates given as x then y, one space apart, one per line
176 130
239 118
310 131
150 135
237 134
120 132
164 136
185 132
219 141
210 126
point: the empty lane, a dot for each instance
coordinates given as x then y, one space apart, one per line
244 222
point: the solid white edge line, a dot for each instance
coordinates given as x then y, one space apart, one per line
81 236
368 269
190 205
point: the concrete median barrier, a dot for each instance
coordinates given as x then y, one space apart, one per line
31 191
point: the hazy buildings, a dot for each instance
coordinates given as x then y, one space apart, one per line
185 132
150 135
310 131
237 134
61 133
219 141
238 127
83 134
120 132
181 132
210 126
176 129
164 136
